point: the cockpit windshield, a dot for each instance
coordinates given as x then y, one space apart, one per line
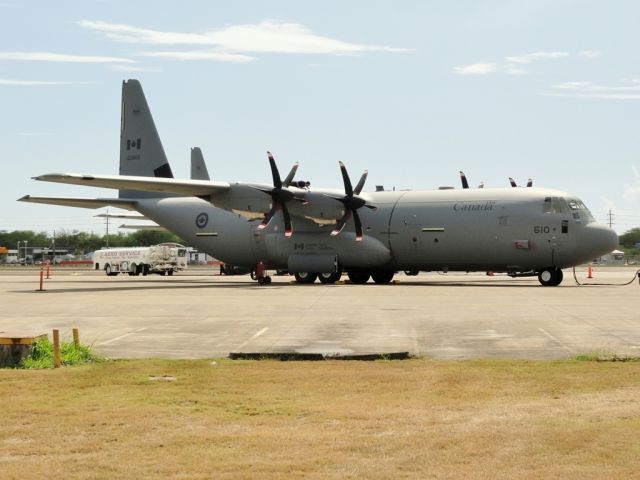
574 206
579 210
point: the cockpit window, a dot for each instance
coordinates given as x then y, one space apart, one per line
554 205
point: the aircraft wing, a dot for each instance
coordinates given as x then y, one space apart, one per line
82 202
196 188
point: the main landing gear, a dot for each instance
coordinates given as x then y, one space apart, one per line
357 277
307 278
550 277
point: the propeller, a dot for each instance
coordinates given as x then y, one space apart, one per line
463 179
280 195
352 202
465 183
514 184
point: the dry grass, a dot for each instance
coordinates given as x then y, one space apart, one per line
411 419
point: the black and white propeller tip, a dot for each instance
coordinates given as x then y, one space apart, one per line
514 184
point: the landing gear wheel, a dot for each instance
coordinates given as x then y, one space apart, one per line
305 277
264 280
383 276
332 277
411 273
359 277
550 277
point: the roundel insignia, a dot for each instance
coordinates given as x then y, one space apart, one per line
202 220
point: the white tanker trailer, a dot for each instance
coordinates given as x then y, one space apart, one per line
163 259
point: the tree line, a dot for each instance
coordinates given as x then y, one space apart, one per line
80 243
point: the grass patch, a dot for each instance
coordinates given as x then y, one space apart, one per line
41 355
236 419
606 357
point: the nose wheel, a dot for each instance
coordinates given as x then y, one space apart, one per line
550 277
259 274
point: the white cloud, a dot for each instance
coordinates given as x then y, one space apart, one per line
133 68
590 53
591 90
200 55
512 65
60 57
37 83
264 37
535 56
476 69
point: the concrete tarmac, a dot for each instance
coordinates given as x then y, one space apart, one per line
197 314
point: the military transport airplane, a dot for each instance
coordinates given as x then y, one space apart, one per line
321 233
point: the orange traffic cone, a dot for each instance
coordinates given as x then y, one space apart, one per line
589 272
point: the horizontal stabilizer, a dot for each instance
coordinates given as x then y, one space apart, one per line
155 228
196 188
128 217
82 202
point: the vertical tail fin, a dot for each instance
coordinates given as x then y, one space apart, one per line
141 151
198 167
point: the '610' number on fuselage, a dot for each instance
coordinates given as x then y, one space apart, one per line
541 229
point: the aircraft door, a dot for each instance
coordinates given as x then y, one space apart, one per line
563 243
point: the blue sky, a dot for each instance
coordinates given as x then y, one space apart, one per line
413 91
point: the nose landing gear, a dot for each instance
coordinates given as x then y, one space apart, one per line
259 274
550 277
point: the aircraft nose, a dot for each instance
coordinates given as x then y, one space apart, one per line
599 240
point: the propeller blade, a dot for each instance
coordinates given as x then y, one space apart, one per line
371 207
340 225
463 179
358 224
269 216
288 230
287 181
348 189
530 183
360 184
277 183
513 182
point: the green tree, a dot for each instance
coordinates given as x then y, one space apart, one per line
630 238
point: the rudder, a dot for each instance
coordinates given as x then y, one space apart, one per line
141 151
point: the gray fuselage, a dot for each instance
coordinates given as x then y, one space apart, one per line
502 230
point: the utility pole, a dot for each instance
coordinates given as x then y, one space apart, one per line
53 260
610 215
106 221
